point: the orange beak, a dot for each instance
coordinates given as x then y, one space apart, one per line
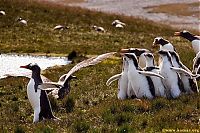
177 33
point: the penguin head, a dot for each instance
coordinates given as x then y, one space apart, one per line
33 67
131 56
136 51
159 41
183 33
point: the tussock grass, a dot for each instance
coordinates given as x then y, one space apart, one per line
91 106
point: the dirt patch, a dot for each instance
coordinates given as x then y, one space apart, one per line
178 9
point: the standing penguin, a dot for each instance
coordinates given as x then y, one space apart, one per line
150 66
38 98
190 84
124 88
140 80
195 40
172 81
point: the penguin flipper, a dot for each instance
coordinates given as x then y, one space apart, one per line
113 78
180 70
146 73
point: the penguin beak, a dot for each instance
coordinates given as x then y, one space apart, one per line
177 33
124 51
26 67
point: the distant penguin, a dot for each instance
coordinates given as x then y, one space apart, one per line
141 83
172 80
118 24
22 21
195 40
139 53
164 44
60 27
38 98
150 66
98 28
3 13
190 84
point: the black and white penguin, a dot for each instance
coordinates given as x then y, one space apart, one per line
38 98
195 40
22 21
118 24
139 53
123 82
60 27
98 28
150 66
140 80
190 83
164 44
172 80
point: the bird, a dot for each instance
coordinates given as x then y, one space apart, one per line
139 52
99 29
62 87
60 27
22 21
172 80
140 80
118 24
150 66
189 83
2 13
38 98
164 44
195 40
124 89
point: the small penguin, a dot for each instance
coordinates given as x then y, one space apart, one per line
118 24
99 29
172 80
60 27
3 13
22 21
190 84
164 44
139 53
38 98
195 40
140 80
150 66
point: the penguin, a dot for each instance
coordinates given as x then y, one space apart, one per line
118 24
164 44
122 81
22 21
98 28
189 83
140 80
38 98
60 27
139 53
195 40
172 80
3 13
150 66
124 87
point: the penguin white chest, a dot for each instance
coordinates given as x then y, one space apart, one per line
196 45
34 97
167 47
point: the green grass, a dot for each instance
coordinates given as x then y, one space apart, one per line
91 106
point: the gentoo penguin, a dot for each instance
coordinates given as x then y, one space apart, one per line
172 81
62 87
139 53
195 40
22 21
37 97
99 29
150 66
122 81
140 81
189 83
60 27
118 24
2 13
164 44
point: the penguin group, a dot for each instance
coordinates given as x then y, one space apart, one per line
141 78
